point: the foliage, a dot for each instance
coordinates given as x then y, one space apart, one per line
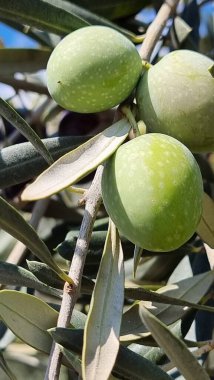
131 308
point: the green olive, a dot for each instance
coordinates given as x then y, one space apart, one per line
176 97
152 190
93 69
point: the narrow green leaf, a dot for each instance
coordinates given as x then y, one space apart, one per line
15 275
23 60
206 226
78 163
128 365
12 222
139 293
46 275
42 14
113 9
134 367
24 128
101 334
28 317
175 349
21 162
91 17
137 256
4 366
191 289
73 359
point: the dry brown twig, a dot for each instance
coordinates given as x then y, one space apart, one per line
93 201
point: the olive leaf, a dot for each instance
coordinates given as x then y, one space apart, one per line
24 128
15 275
206 226
182 29
78 163
19 163
113 9
4 366
190 290
12 222
137 256
42 14
128 364
46 275
175 349
101 334
23 60
73 359
139 293
29 323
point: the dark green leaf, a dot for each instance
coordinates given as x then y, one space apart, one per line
128 364
112 9
46 275
14 275
12 222
21 162
78 163
139 293
42 14
24 128
23 60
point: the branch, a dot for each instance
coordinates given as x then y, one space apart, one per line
155 29
93 201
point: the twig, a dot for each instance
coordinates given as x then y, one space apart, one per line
93 200
155 29
92 203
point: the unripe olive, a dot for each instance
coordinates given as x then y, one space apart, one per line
152 190
93 69
176 97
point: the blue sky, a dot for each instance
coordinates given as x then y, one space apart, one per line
11 38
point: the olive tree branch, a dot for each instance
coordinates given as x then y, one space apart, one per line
92 203
156 27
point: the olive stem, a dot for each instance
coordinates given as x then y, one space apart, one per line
129 115
146 65
93 200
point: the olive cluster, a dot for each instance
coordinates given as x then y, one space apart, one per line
152 186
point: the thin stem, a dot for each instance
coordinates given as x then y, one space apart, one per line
92 204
